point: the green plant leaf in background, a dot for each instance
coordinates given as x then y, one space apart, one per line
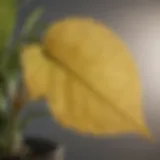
13 60
31 21
13 66
10 66
7 17
8 10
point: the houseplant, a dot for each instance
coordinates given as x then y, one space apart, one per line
12 99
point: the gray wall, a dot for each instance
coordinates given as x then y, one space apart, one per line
138 24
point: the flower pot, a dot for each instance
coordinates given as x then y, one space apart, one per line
37 149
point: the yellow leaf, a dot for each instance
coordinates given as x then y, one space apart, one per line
35 70
94 85
88 78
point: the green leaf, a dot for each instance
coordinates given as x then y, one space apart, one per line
31 21
13 63
8 10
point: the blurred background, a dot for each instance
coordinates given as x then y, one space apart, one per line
138 24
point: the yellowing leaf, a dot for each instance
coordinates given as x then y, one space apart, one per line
94 87
35 70
89 79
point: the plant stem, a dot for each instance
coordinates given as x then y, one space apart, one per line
17 102
11 131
